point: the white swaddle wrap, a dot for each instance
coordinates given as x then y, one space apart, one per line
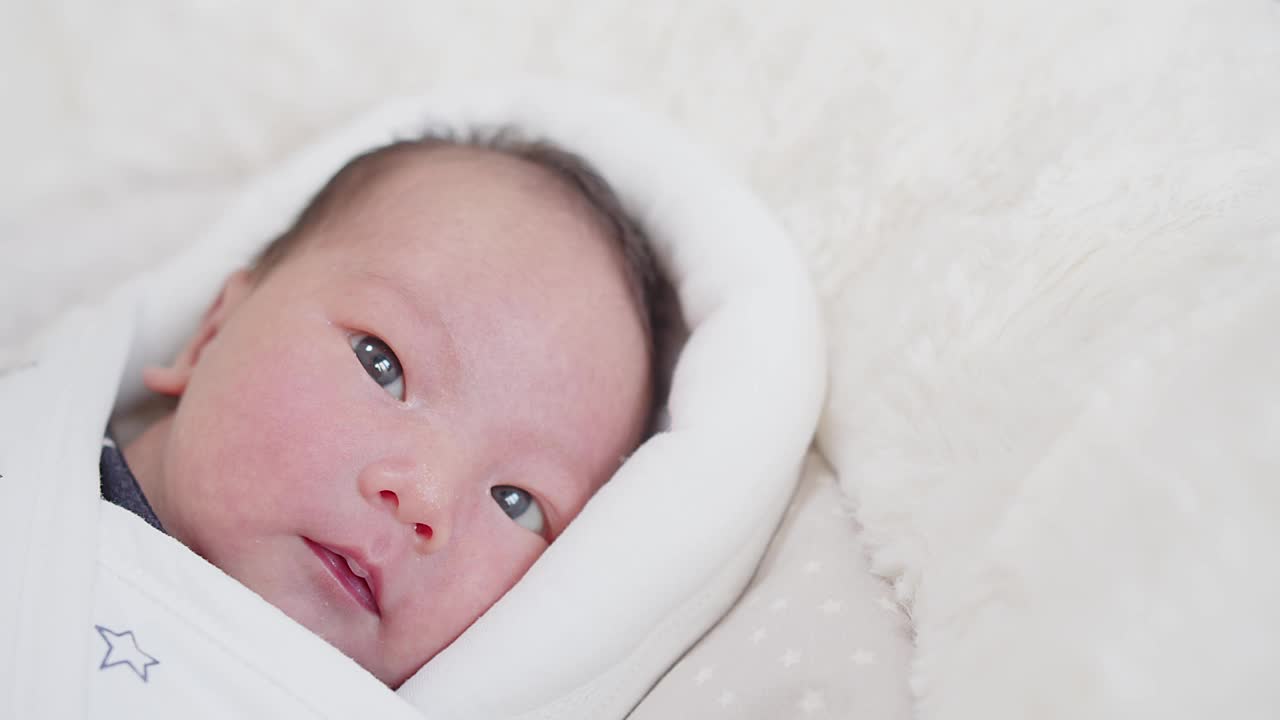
106 617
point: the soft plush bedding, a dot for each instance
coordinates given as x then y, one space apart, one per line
1045 236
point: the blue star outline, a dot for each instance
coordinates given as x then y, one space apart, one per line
121 653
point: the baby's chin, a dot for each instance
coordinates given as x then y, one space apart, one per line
358 639
298 586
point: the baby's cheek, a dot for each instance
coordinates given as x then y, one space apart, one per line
304 433
273 437
504 556
481 567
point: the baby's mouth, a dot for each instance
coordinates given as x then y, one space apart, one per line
349 574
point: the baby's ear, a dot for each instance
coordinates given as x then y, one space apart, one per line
172 379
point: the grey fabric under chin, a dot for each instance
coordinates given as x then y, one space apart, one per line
119 486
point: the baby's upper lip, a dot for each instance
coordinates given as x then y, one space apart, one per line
372 570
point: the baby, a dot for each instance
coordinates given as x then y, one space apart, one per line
383 422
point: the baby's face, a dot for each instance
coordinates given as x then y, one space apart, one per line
383 435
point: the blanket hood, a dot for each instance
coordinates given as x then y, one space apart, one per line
612 603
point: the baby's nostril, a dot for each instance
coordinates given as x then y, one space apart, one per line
424 531
390 497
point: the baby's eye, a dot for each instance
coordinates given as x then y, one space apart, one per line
381 364
520 506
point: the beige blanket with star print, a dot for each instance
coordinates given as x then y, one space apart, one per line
815 635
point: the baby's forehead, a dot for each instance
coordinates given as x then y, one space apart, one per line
507 196
412 177
473 208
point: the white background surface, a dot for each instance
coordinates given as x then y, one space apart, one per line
1016 212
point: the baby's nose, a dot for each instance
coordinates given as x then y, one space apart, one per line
408 493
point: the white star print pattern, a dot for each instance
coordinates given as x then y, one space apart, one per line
812 701
815 636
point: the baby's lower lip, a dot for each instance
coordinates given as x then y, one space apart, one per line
337 567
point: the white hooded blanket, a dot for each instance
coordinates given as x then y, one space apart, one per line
105 617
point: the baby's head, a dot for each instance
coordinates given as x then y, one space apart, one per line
384 422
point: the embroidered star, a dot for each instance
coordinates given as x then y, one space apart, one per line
812 567
863 657
812 701
122 649
704 675
759 634
789 658
726 698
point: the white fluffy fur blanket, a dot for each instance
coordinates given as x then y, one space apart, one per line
1046 232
